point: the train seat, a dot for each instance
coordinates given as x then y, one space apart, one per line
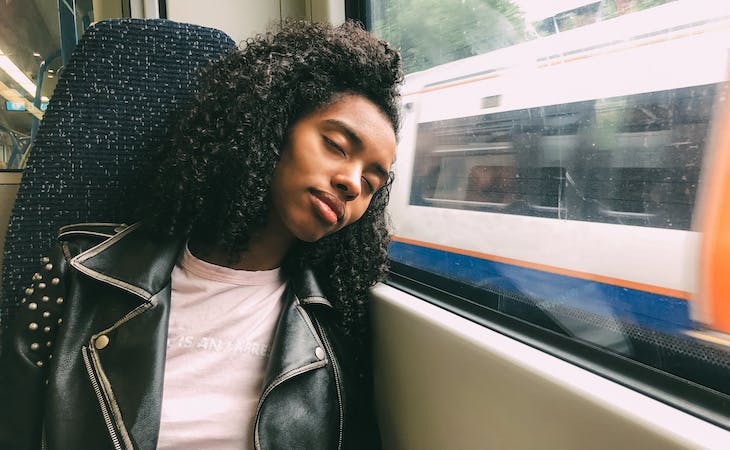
113 103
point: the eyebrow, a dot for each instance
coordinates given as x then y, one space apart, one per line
347 129
382 172
352 136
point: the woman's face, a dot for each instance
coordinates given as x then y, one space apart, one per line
334 161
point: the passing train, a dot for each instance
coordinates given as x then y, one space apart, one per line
559 237
569 156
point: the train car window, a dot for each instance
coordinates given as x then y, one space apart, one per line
551 170
632 160
35 37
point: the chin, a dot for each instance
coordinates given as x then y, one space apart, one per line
311 230
310 235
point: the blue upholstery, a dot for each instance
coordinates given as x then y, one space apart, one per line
112 105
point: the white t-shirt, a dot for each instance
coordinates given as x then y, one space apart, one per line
222 322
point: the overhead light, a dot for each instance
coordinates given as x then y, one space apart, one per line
44 99
50 75
50 70
16 74
36 54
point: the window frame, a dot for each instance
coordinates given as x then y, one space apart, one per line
467 302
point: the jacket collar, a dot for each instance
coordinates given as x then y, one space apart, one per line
296 346
141 262
134 260
307 289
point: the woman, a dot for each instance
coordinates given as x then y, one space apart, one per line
234 315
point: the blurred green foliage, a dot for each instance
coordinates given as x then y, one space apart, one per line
433 32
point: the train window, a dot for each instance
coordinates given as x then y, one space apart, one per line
550 171
35 37
632 160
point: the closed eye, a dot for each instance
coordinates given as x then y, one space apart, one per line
331 144
371 189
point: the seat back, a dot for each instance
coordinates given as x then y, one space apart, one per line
113 104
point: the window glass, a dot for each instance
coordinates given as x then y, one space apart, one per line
31 56
632 160
432 32
553 158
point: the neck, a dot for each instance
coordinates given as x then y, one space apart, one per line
267 249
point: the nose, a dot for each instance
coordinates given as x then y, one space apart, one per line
347 182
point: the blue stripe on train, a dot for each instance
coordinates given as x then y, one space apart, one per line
658 312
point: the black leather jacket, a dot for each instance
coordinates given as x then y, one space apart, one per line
82 366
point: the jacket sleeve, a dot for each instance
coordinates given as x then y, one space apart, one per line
27 353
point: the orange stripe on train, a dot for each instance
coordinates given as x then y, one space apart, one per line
659 290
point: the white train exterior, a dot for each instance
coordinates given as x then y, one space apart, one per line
567 168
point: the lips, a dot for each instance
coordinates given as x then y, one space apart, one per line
329 207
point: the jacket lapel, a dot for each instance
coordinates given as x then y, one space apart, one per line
144 274
295 344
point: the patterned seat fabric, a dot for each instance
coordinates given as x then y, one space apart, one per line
113 104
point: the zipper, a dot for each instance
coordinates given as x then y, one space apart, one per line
43 436
99 395
338 383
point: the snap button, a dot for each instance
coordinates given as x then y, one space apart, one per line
319 353
101 342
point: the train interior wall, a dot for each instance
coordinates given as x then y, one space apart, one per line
444 382
243 18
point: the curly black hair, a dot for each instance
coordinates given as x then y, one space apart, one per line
214 173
